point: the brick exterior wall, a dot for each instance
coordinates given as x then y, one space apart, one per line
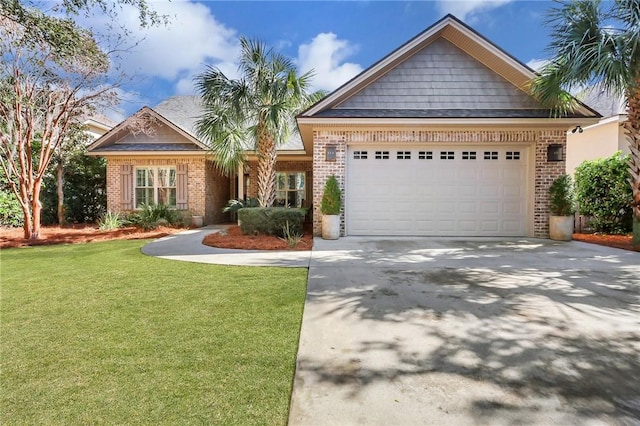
208 191
544 172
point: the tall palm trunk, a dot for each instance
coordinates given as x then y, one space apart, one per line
267 157
632 129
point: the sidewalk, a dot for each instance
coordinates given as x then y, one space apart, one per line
187 246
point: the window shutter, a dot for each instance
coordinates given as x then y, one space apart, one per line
126 187
182 190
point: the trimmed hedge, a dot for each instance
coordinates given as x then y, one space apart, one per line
270 220
603 192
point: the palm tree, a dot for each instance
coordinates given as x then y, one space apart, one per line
596 43
256 111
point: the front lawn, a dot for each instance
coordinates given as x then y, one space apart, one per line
99 333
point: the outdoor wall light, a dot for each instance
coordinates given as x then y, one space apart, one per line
554 152
578 129
330 153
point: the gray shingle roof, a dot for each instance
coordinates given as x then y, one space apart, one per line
438 113
605 103
184 111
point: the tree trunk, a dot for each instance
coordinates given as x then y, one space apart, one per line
60 191
267 157
632 130
36 210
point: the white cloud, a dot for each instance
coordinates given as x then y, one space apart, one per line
537 64
325 54
468 9
192 38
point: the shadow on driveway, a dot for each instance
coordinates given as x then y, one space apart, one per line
469 331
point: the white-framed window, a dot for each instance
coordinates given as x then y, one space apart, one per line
290 189
155 185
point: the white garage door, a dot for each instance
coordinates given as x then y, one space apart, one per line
452 191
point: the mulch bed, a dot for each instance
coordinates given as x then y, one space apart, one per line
78 233
233 238
617 241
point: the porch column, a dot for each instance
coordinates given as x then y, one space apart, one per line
241 182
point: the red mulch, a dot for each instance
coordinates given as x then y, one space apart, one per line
617 241
233 238
78 233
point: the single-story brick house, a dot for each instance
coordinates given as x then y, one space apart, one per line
440 137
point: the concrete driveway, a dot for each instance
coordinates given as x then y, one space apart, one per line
438 331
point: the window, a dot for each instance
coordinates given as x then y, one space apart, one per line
359 155
491 155
155 185
425 155
382 155
468 155
513 155
447 155
290 189
403 155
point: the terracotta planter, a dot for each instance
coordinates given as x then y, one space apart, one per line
561 228
330 227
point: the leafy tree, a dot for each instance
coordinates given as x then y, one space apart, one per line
256 111
51 72
43 90
603 193
595 43
83 186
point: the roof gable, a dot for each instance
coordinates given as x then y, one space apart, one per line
145 131
507 77
440 76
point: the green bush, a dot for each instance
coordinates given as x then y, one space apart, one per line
150 216
109 221
562 199
270 220
85 193
331 198
603 192
10 210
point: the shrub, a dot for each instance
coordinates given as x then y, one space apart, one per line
270 220
331 198
561 194
85 194
603 192
10 210
109 221
150 216
235 205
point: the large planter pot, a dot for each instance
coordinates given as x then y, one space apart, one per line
330 226
197 221
561 228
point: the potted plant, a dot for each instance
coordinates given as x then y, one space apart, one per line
330 208
561 209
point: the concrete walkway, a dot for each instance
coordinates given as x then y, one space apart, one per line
468 331
187 246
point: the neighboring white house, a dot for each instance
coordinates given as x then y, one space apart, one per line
600 140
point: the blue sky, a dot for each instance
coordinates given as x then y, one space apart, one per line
336 38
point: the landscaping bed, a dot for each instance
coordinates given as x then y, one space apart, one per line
233 238
79 233
617 241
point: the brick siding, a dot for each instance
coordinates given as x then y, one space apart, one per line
545 172
282 166
208 191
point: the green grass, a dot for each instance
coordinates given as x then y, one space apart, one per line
99 333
